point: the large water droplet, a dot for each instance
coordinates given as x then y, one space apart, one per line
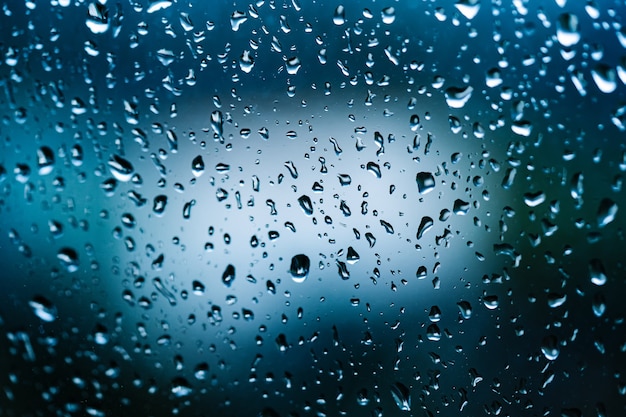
121 169
229 275
306 204
299 269
457 97
607 210
468 8
339 18
597 275
68 259
97 18
45 160
425 182
567 30
43 308
402 396
550 347
197 166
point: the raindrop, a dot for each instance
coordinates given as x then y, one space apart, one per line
306 204
607 210
45 160
97 18
550 347
299 269
197 166
425 225
401 395
425 182
68 259
121 169
229 275
468 8
339 18
596 272
43 308
567 30
457 97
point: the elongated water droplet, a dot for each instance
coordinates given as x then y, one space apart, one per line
45 160
339 18
229 275
425 225
567 30
607 210
401 395
597 275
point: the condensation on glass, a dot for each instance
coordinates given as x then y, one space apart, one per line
292 208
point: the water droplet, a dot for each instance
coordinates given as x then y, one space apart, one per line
465 308
460 207
120 168
550 347
45 160
197 166
237 19
374 168
217 122
299 269
352 256
596 272
491 301
522 127
468 8
599 305
157 5
425 182
181 387
567 30
342 269
246 62
293 65
401 395
457 97
388 15
159 204
43 308
339 18
197 287
607 210
68 259
534 199
605 78
425 225
229 275
97 18
306 204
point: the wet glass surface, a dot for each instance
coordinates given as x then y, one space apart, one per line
290 208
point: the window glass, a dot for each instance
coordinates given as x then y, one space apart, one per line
293 208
